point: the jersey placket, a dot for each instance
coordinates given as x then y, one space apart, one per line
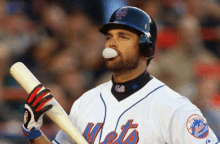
112 112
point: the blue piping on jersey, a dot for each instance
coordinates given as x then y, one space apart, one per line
136 103
56 141
104 118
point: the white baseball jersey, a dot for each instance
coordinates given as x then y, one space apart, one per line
155 114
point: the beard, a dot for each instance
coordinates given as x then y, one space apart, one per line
121 64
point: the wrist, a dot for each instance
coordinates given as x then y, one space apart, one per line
31 134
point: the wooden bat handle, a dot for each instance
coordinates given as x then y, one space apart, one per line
28 81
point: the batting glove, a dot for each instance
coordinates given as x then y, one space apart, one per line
34 110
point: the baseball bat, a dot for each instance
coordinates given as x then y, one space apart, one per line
28 81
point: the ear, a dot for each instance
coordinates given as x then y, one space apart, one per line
149 53
146 47
146 50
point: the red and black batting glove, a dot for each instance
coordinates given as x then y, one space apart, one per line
34 110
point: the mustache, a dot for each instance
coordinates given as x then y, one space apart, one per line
119 53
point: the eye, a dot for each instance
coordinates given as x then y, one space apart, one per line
124 37
107 38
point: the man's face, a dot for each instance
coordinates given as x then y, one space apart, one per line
126 43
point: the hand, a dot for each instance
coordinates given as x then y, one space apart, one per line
35 109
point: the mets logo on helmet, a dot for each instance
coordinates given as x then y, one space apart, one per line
121 13
197 126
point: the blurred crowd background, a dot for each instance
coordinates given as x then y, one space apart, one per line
59 41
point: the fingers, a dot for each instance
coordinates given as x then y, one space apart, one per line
36 98
43 101
46 108
39 109
39 96
42 111
34 92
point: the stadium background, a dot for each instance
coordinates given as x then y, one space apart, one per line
59 41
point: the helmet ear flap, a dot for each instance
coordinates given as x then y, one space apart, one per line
146 47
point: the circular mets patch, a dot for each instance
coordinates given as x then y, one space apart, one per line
197 126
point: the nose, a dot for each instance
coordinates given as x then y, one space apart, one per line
112 43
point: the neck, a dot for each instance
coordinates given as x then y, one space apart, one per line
123 90
128 75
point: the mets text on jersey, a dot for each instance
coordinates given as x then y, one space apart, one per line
113 137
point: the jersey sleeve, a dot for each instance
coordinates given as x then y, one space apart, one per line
62 137
188 126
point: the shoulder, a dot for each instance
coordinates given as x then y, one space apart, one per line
94 91
168 99
170 103
175 112
91 94
87 98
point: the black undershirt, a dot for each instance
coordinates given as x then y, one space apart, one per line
122 90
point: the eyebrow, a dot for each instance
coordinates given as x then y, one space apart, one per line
119 33
108 34
123 33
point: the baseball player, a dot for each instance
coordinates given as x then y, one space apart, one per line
133 107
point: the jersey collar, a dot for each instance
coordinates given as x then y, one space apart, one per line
123 90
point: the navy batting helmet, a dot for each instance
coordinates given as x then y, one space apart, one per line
138 20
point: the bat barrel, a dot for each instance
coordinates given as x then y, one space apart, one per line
24 77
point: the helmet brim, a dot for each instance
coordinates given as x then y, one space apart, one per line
120 25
